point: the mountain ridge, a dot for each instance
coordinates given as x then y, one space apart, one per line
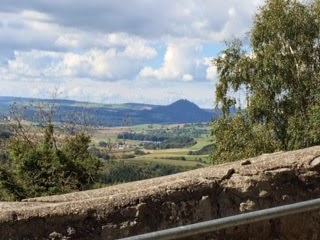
180 111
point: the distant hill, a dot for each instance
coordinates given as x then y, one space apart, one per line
181 111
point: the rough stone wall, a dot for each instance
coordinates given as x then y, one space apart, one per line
190 197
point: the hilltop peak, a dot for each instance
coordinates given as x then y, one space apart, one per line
183 111
183 103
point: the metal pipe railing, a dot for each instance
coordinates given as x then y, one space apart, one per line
232 221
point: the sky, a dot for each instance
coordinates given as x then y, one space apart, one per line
106 51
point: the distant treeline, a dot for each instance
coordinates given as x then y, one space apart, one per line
160 135
142 137
174 142
162 139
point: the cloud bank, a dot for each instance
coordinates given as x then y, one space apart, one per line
117 51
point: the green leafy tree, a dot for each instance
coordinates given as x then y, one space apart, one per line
45 158
280 76
10 190
237 138
45 169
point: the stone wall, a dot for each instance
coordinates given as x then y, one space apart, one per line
190 197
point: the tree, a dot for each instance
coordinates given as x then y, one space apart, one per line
280 77
103 144
10 190
45 159
47 169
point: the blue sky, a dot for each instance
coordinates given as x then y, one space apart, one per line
146 51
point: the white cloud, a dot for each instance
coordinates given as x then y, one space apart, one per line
148 19
30 64
104 65
27 29
104 47
68 40
211 72
139 51
35 15
46 25
187 77
99 64
182 61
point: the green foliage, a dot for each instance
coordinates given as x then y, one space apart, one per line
238 138
160 135
43 159
120 172
166 138
280 78
174 142
44 169
123 156
103 144
142 137
10 190
139 152
203 151
102 154
304 128
178 158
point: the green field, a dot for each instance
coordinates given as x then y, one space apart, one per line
176 156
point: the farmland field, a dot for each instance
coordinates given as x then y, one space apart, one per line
172 156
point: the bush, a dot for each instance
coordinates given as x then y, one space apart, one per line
10 190
139 152
42 168
99 153
190 152
126 156
103 144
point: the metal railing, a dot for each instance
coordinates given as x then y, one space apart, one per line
232 221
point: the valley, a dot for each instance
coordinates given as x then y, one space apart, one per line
126 160
169 139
